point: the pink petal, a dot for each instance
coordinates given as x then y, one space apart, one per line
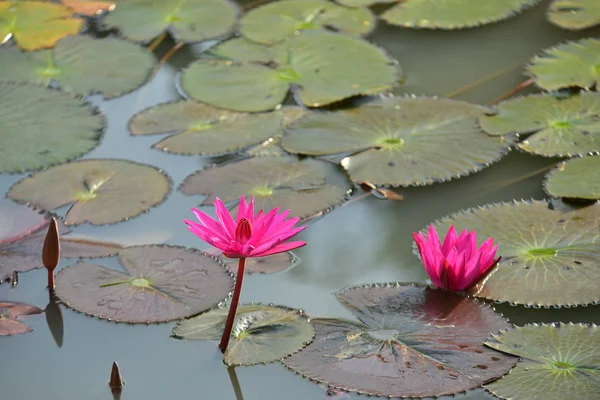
450 240
210 223
250 211
242 210
225 217
433 238
281 248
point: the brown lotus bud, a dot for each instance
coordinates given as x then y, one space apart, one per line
51 251
116 382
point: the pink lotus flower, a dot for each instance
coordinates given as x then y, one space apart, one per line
457 264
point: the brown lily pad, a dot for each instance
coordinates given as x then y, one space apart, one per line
10 313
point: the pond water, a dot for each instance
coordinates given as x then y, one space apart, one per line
365 241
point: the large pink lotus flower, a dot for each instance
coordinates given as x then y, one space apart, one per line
249 236
457 264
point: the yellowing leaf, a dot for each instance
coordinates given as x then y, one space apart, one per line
86 7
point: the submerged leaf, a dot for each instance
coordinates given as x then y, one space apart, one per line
574 14
161 283
89 7
100 191
10 313
575 179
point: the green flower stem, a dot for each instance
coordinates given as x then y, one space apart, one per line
234 305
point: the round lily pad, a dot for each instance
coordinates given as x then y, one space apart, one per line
400 141
50 130
549 257
562 127
274 22
89 7
453 14
264 265
161 283
257 78
361 3
411 341
261 334
304 186
559 361
100 191
189 21
574 14
10 313
81 65
567 65
575 179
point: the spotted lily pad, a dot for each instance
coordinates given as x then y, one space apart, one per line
549 257
575 179
261 334
574 14
411 341
50 130
559 361
567 65
188 20
10 313
161 283
81 65
306 187
559 126
100 191
246 76
400 141
274 22
89 7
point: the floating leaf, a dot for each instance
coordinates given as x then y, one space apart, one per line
567 65
410 342
575 179
50 130
258 78
89 7
277 21
36 25
9 315
261 334
162 283
264 265
574 14
559 361
284 182
400 141
81 65
100 191
361 3
560 126
549 257
189 21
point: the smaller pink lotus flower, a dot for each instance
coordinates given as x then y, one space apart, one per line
457 264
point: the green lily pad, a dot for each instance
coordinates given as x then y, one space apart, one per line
161 283
307 187
261 334
50 130
10 313
400 141
411 341
453 14
560 127
187 20
559 361
575 179
362 3
567 65
549 257
81 65
574 14
100 191
274 22
246 76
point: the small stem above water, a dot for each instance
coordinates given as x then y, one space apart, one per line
234 305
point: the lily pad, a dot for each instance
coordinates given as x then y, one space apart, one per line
81 65
10 313
257 78
304 186
264 265
453 14
261 334
575 179
549 257
50 130
574 14
100 191
89 7
411 341
559 361
189 21
567 65
274 22
560 127
362 3
161 283
36 25
400 141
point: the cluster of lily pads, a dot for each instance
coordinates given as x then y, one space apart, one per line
269 89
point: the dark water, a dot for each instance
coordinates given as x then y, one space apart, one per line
362 242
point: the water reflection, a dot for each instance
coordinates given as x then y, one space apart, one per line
54 318
237 389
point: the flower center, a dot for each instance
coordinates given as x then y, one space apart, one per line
544 252
243 232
